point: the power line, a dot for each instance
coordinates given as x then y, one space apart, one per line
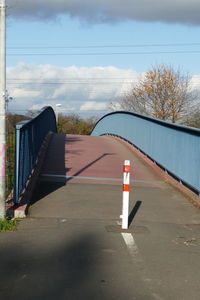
104 53
195 78
106 46
65 110
87 79
80 83
83 78
70 83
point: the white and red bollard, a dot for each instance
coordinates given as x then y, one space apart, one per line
126 190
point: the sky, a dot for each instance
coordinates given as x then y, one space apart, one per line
86 54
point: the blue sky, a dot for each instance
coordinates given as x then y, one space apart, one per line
84 61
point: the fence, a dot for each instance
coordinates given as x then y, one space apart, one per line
30 135
175 148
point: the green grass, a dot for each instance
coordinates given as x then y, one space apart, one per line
8 225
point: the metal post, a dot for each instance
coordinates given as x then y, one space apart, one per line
2 107
57 111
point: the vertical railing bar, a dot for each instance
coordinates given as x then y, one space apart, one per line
17 158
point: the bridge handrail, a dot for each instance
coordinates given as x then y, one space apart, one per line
30 135
154 120
174 147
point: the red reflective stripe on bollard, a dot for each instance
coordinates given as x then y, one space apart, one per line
126 187
127 169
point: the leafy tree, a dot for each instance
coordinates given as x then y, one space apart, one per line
162 93
73 124
12 119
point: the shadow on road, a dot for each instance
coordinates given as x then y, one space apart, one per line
43 265
89 165
134 212
54 271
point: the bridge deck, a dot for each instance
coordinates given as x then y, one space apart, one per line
84 158
72 246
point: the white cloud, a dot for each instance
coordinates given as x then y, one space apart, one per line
92 105
98 11
195 82
19 93
76 88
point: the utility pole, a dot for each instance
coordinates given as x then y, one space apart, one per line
2 107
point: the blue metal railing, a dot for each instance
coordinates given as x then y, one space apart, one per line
175 148
30 135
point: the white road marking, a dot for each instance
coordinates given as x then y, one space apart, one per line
130 243
79 177
134 252
97 178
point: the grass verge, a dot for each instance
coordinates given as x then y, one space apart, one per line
8 225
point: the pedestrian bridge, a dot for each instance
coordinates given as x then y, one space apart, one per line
174 148
72 241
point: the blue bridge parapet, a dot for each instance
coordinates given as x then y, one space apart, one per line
174 147
30 135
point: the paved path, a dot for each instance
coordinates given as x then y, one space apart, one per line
71 246
86 156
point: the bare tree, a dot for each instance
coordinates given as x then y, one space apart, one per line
193 117
163 93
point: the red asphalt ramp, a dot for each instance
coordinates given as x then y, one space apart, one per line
94 159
